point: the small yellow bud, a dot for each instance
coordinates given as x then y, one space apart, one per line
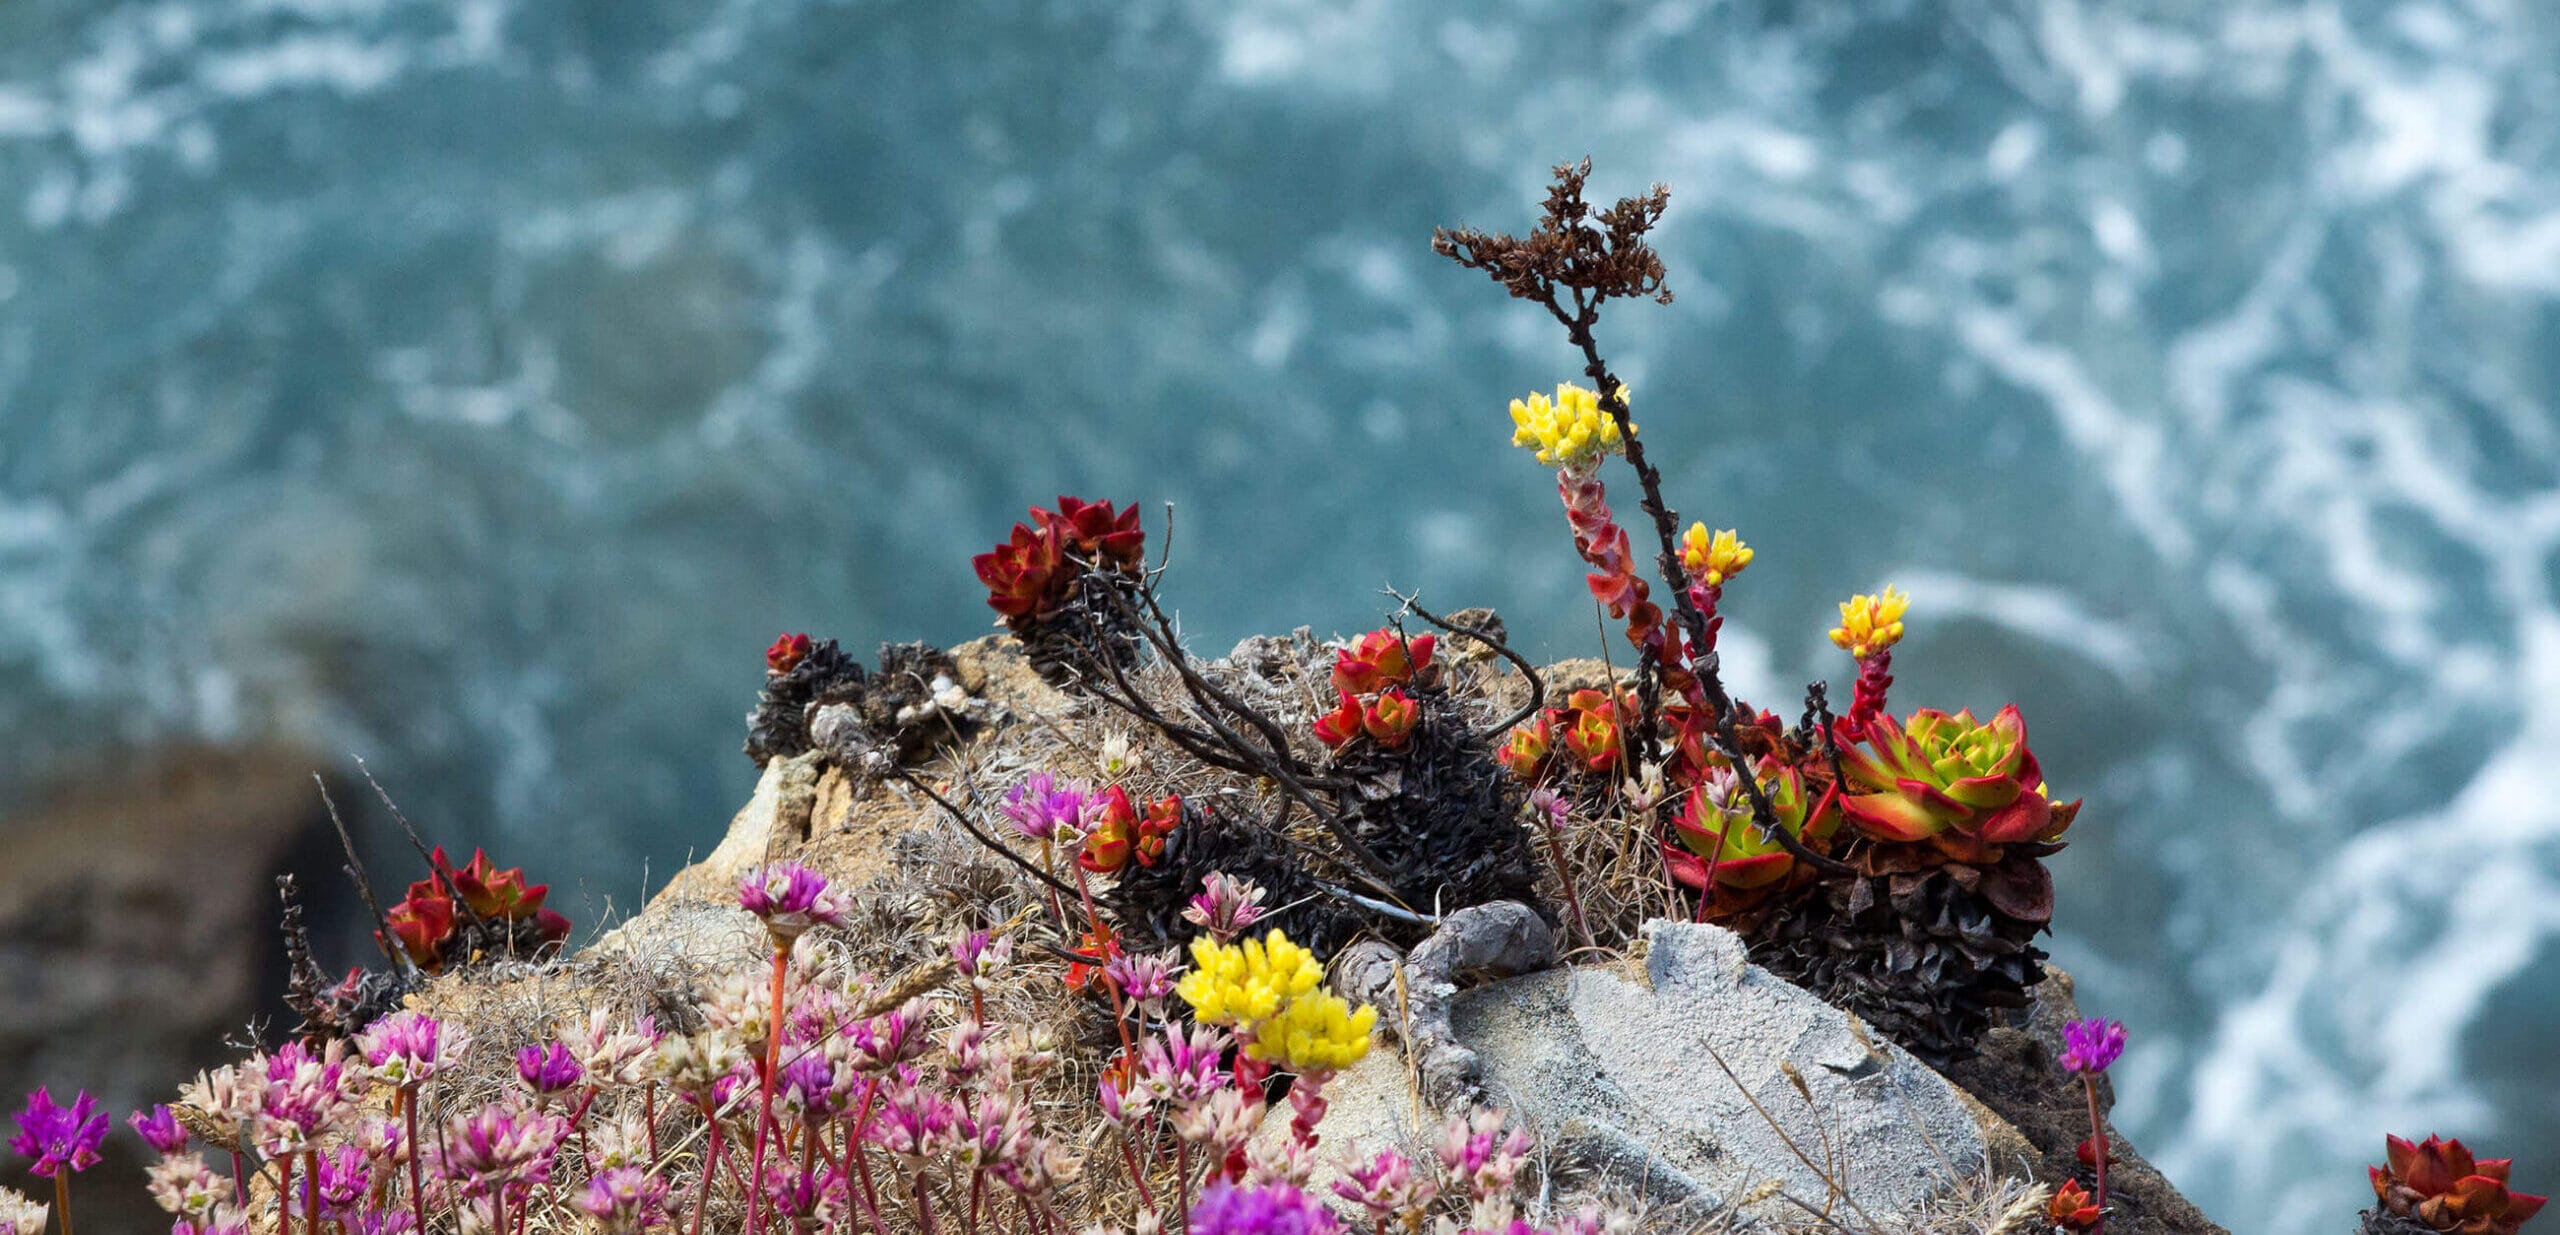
1870 624
1712 560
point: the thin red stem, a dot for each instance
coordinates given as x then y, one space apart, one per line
417 1188
710 1165
62 1196
764 1106
2097 1135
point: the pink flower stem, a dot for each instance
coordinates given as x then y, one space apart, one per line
2098 1135
311 1191
240 1175
1182 1183
977 1193
1137 1176
62 1196
1555 854
417 1188
710 1165
862 1157
649 1111
772 1062
924 1204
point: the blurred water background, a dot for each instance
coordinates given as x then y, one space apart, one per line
477 385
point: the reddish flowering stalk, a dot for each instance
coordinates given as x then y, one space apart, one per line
1869 627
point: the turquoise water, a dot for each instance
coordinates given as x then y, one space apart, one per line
477 386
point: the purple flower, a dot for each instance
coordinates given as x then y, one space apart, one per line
1042 804
548 1070
395 1222
159 1129
1225 1209
2091 1045
790 898
57 1137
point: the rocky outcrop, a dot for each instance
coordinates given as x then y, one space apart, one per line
1700 1080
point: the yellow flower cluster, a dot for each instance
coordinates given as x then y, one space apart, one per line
1265 989
1315 1032
1870 624
1713 559
1570 430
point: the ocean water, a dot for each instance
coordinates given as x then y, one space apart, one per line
476 386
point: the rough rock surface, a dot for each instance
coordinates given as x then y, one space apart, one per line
1616 1069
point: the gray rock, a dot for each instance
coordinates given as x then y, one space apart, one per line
1698 1078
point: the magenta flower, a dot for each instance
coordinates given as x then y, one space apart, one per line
344 1177
159 1129
1225 1209
500 1145
1041 805
625 1200
790 898
406 1049
548 1070
58 1137
1226 906
808 1085
979 956
2091 1045
1141 977
893 1037
1181 1067
1384 1185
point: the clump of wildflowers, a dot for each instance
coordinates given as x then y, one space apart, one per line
1037 582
